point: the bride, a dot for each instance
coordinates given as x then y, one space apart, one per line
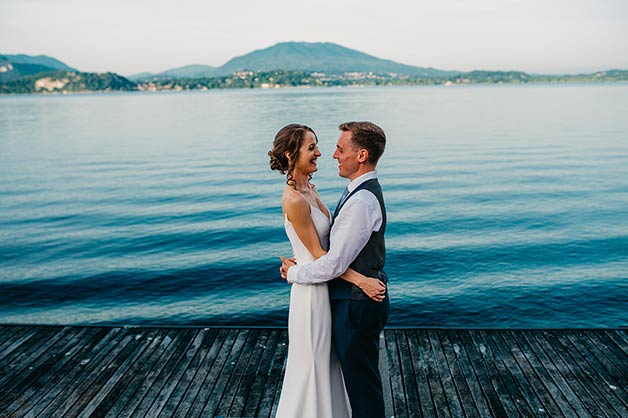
313 385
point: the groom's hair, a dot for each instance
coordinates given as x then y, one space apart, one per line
366 135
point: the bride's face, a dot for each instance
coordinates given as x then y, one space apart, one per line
308 154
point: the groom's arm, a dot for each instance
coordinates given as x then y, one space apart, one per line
352 229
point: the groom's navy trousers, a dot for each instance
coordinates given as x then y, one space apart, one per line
356 328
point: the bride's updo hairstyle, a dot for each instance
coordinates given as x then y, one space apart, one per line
287 143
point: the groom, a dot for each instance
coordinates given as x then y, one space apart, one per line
356 241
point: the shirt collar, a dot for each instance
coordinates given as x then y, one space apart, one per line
364 177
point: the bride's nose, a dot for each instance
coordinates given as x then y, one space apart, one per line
317 152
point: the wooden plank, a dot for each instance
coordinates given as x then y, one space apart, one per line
394 374
533 394
100 382
79 394
206 391
614 336
73 373
186 380
240 362
450 386
172 373
120 384
193 396
143 341
42 355
51 358
479 371
458 356
517 383
177 373
407 373
562 362
606 393
433 376
9 334
24 365
497 359
138 383
617 360
583 372
85 340
14 342
552 378
255 400
222 390
498 397
249 374
155 379
612 368
615 381
272 391
447 356
32 336
385 375
20 352
423 375
6 331
623 334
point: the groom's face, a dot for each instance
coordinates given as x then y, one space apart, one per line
347 155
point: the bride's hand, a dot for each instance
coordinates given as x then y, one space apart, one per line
374 288
286 263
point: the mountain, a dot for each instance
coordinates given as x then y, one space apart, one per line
13 67
320 56
191 71
304 56
67 82
40 60
141 76
188 71
42 74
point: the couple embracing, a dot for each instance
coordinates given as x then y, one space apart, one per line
338 300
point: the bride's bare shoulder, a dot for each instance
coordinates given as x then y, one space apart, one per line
293 203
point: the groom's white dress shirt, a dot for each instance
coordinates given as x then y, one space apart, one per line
351 230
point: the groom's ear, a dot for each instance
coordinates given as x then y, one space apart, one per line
363 155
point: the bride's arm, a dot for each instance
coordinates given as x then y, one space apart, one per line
374 288
299 215
298 212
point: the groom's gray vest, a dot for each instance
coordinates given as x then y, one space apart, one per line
370 261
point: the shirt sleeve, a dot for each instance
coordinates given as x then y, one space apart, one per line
352 229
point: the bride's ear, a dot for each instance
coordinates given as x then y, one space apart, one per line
287 155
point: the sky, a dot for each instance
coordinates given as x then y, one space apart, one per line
133 36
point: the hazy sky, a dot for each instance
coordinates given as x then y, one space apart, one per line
132 36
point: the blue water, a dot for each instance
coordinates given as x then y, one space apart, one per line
507 205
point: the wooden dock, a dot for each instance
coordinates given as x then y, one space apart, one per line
51 371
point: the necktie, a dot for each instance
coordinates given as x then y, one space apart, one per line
341 201
344 196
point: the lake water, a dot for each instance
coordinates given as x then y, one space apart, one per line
507 205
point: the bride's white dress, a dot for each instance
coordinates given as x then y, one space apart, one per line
313 385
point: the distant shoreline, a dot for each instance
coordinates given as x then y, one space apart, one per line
65 82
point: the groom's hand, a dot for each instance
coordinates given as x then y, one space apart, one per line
286 263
